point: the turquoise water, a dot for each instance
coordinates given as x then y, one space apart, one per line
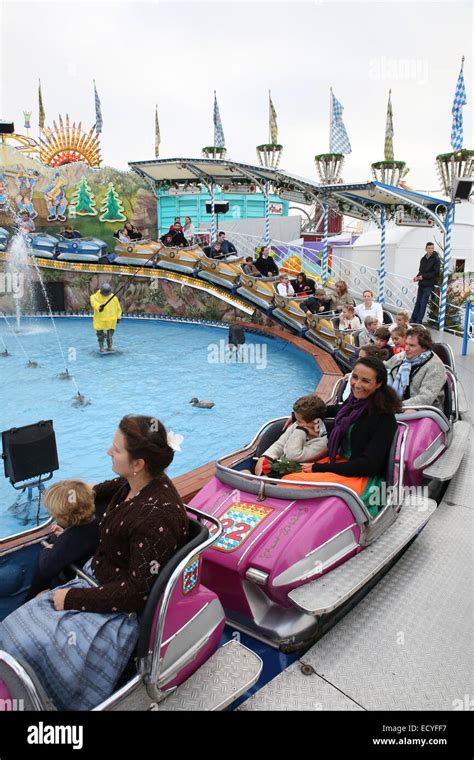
158 368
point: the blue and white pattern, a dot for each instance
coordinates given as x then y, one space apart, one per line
191 576
339 139
219 139
77 656
98 112
213 217
460 100
382 256
267 239
446 260
324 260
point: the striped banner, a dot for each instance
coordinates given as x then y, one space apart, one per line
267 239
98 113
41 115
324 260
382 257
460 100
388 147
447 257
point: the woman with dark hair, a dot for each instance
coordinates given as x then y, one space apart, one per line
360 440
79 638
303 286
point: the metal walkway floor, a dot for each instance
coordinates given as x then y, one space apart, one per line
408 644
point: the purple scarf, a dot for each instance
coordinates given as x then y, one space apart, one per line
349 413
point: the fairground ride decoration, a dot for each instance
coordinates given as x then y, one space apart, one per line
64 144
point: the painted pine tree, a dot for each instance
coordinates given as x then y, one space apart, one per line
112 208
83 201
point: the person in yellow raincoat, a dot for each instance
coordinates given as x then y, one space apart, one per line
105 317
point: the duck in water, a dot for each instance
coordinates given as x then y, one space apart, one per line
202 404
80 400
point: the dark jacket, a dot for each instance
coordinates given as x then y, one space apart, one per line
371 439
137 538
429 269
177 239
267 267
299 287
228 247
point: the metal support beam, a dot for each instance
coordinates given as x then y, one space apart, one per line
267 240
446 262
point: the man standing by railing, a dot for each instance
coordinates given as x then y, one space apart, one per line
428 271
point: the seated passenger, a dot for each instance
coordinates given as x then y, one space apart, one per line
305 440
178 238
284 287
143 525
167 239
382 338
177 220
266 264
418 376
369 307
132 231
226 246
360 441
341 296
303 286
122 236
399 335
370 349
367 335
402 319
317 304
348 320
73 540
70 233
215 251
250 268
189 230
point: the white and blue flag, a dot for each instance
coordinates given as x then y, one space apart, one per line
460 100
98 112
219 139
339 139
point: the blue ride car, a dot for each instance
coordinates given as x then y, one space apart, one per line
80 249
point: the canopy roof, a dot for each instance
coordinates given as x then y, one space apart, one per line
362 201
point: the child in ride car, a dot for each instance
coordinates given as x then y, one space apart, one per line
73 539
304 440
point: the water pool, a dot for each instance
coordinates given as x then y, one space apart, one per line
158 368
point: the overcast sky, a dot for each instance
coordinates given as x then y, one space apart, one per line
176 53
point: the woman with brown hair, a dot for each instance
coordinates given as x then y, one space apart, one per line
360 440
341 296
79 638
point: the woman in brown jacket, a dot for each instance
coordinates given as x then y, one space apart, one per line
77 638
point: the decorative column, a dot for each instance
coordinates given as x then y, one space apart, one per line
382 256
329 167
446 262
213 217
269 155
389 172
266 191
324 260
450 166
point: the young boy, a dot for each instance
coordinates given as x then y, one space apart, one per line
75 537
305 440
398 339
402 319
382 338
371 324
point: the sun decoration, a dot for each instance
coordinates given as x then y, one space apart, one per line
65 145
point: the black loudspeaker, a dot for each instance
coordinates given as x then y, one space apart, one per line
236 335
462 188
29 452
220 207
6 127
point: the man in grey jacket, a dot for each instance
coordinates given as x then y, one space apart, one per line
418 375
